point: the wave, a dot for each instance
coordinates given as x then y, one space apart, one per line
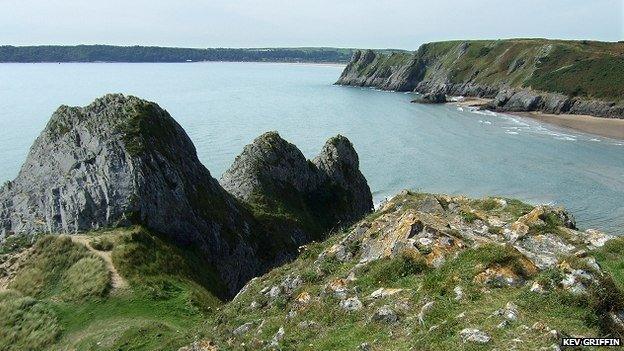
566 138
483 112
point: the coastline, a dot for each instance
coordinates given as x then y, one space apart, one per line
605 127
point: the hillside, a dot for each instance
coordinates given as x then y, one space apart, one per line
108 53
424 271
555 76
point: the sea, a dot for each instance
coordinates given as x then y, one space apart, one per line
429 148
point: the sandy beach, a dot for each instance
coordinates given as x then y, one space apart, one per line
606 127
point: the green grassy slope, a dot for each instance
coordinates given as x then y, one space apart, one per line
62 297
65 296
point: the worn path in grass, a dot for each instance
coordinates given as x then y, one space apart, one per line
117 281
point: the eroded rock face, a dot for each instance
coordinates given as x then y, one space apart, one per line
122 160
273 174
119 161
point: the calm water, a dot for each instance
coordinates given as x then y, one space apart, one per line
223 106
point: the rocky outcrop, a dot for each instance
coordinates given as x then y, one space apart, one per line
275 176
434 97
367 68
519 100
122 160
430 267
520 75
119 161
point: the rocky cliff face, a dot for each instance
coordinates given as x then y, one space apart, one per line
521 75
122 160
274 176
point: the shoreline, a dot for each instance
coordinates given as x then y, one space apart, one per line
601 126
606 127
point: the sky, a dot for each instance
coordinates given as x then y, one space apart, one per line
401 24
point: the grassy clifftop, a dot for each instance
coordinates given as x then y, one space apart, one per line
424 271
586 69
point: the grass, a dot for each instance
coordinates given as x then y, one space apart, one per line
62 269
16 243
171 291
147 128
392 272
468 216
26 323
161 269
469 263
611 259
129 322
86 278
599 78
102 243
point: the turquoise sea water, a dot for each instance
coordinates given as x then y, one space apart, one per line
224 106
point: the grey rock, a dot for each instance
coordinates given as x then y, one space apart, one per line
307 325
459 293
509 312
290 284
424 311
330 189
435 97
279 335
120 161
385 314
243 329
474 335
511 100
275 292
351 304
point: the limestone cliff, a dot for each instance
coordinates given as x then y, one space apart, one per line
329 191
553 76
122 160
